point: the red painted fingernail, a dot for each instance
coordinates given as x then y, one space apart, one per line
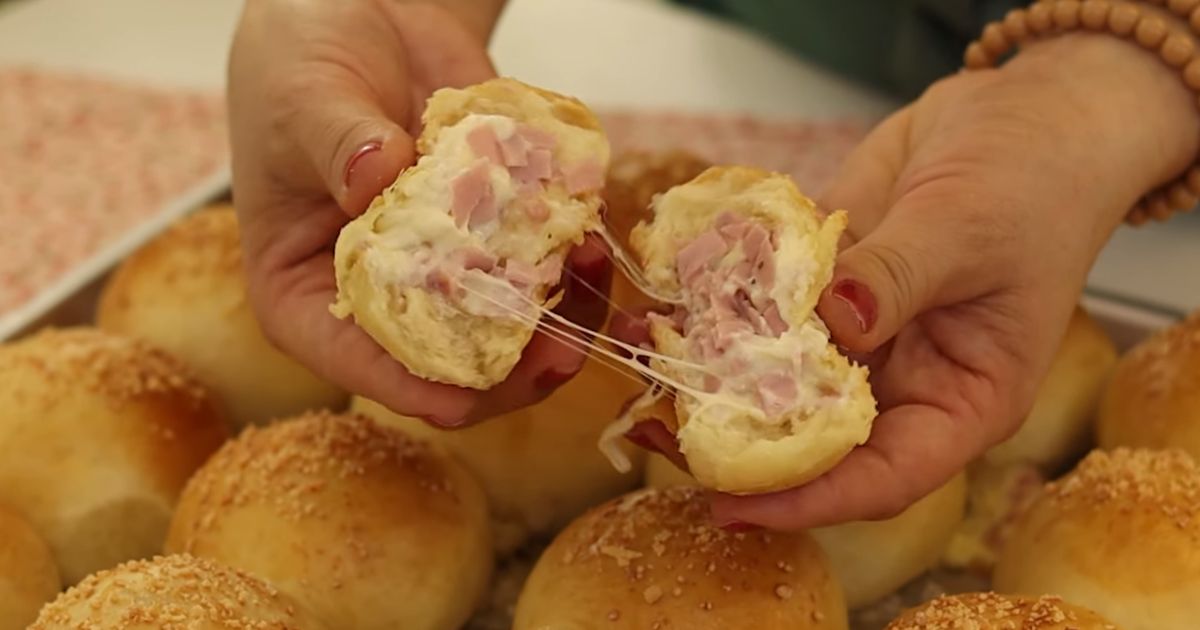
363 151
861 302
737 526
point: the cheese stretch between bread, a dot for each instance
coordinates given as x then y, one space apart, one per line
450 268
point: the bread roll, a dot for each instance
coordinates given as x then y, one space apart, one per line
175 592
996 497
367 527
1058 428
450 268
661 473
539 466
1120 535
97 437
990 611
1153 399
28 575
763 400
651 559
185 293
870 558
635 178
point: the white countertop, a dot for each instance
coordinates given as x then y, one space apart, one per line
623 53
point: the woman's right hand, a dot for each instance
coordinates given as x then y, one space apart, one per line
325 101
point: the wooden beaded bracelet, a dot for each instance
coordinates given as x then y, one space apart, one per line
1175 47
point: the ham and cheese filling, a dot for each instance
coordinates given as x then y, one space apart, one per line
483 183
731 321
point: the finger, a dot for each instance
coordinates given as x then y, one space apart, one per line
865 180
299 321
349 141
588 278
653 435
913 450
931 250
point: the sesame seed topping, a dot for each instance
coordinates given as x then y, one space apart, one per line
783 591
652 594
974 610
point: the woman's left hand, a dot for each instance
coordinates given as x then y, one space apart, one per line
975 215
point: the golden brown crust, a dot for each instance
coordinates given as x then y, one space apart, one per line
651 559
1120 534
1153 399
28 575
990 611
176 592
185 292
124 425
356 520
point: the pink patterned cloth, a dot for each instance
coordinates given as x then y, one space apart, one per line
85 160
808 150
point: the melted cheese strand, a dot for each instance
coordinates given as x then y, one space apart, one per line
612 434
631 269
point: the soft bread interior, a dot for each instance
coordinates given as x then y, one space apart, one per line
774 404
451 265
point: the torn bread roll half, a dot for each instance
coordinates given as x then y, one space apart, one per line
762 400
451 267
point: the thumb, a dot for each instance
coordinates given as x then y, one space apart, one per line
916 259
352 145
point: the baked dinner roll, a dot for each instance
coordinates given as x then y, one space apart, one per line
651 559
1153 399
996 497
1058 427
635 178
451 267
1120 534
185 293
367 527
763 400
991 611
174 592
870 558
539 465
874 558
28 575
98 434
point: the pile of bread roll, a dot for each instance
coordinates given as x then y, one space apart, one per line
168 468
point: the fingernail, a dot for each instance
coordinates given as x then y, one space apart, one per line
735 526
356 160
861 302
444 423
554 378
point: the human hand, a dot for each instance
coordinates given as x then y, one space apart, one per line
325 101
975 214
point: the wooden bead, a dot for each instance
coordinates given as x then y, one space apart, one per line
1038 19
994 41
1182 8
1192 179
1180 197
1123 18
1094 14
1066 14
1177 49
1150 32
1014 25
976 57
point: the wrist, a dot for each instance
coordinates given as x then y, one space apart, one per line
1134 114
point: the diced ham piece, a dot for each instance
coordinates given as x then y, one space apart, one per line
473 258
774 320
755 245
515 150
468 191
550 270
486 210
438 281
732 227
537 167
537 137
776 393
695 256
537 210
584 176
484 144
711 383
726 331
520 273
